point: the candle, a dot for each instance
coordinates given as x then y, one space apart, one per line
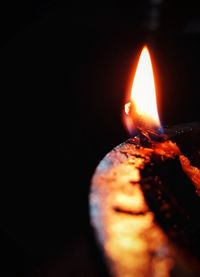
144 198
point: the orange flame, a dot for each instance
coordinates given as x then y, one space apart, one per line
141 112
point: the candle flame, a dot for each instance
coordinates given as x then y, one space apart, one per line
141 111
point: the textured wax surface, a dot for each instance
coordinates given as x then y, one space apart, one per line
133 243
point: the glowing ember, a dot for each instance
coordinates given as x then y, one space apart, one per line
192 172
141 111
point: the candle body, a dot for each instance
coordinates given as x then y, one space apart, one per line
133 242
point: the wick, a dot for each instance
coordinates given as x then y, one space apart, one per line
149 137
148 134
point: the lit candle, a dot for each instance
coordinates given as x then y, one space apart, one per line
141 115
140 200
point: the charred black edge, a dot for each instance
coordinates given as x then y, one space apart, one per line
171 200
172 197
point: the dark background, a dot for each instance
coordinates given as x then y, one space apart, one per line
64 72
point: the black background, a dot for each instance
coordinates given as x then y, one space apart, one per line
64 72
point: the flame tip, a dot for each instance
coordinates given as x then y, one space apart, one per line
145 48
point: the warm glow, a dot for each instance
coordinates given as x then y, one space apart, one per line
143 90
142 108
